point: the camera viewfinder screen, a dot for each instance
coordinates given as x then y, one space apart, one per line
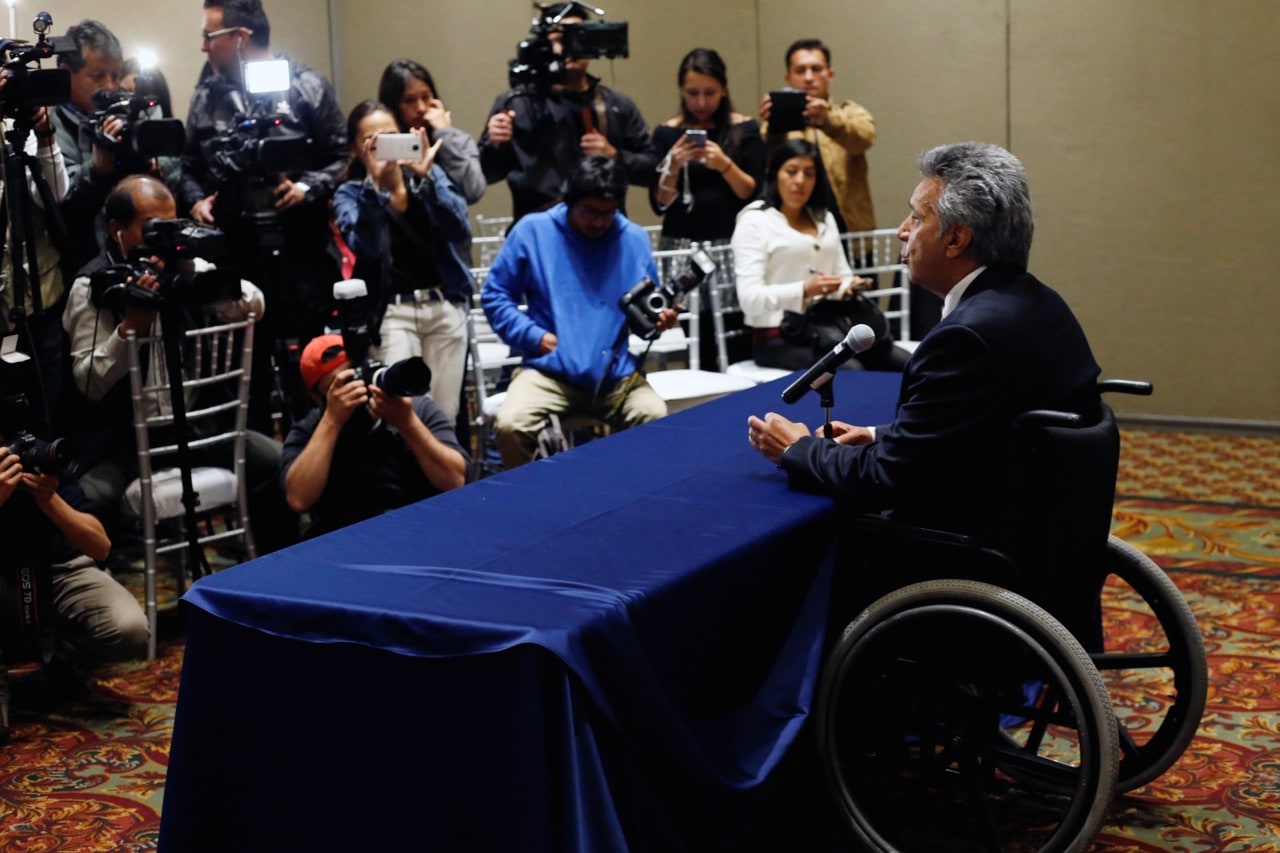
268 75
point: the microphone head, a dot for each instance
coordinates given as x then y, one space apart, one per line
860 338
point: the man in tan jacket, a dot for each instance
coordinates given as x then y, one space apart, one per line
842 132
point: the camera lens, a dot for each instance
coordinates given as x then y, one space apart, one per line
40 457
656 302
408 378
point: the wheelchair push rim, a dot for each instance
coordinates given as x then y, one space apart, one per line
955 715
1153 662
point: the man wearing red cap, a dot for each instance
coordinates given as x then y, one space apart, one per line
363 451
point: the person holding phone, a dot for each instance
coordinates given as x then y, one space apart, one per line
406 221
712 157
407 87
842 132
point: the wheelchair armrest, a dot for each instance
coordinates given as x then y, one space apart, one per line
909 539
878 525
1047 418
1126 386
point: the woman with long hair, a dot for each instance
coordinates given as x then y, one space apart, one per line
787 254
405 222
408 89
713 157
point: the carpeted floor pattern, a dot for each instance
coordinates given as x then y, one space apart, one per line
86 773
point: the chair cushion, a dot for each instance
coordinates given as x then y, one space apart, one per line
215 487
756 373
682 388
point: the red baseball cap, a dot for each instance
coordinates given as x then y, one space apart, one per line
321 357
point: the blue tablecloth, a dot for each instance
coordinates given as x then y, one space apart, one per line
607 650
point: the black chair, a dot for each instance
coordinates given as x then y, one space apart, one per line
969 708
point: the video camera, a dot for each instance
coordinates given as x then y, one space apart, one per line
260 143
141 139
29 88
410 377
538 66
177 243
644 303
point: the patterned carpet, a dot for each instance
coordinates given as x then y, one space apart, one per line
88 774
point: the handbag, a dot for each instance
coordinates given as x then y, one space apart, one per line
826 322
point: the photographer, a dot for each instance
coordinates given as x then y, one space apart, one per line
363 451
285 209
44 525
570 265
536 134
93 167
98 328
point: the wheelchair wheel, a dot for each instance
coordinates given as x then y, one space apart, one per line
1153 663
956 715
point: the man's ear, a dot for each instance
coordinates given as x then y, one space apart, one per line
958 239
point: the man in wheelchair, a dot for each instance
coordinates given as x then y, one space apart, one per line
1006 345
968 704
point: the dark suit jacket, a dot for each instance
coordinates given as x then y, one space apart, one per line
1011 345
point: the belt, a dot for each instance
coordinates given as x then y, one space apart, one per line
433 294
759 336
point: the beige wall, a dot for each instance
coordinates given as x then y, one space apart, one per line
1148 127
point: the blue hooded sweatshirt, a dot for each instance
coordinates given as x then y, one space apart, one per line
571 286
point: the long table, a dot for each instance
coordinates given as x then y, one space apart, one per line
607 650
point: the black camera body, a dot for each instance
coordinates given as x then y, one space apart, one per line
644 303
28 88
257 148
141 139
36 455
538 66
176 242
39 456
409 377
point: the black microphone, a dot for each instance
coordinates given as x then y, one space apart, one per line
859 339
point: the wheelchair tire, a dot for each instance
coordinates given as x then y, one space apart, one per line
956 715
1138 690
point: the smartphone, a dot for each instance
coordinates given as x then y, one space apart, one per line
787 112
397 146
696 138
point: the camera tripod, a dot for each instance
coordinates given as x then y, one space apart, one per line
258 224
16 219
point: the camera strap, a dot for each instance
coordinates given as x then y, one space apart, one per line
595 116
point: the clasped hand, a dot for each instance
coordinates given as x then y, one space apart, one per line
773 434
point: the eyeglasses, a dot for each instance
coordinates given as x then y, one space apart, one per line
588 212
208 37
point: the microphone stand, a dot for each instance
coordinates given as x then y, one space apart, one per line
827 398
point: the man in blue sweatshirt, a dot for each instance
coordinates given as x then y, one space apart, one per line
568 266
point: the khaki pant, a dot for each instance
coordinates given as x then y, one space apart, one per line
436 331
533 395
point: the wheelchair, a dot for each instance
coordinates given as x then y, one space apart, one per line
987 704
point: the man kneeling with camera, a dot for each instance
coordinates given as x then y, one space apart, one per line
373 444
155 261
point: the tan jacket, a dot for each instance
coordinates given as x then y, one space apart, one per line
849 132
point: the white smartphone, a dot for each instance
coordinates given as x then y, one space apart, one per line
397 146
